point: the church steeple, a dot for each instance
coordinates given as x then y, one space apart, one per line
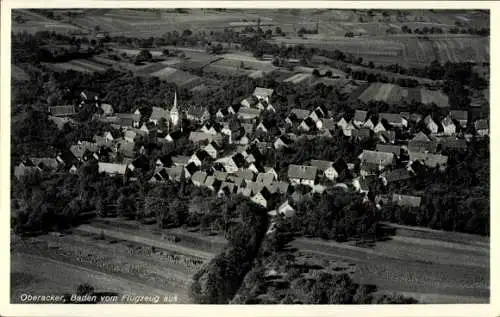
174 112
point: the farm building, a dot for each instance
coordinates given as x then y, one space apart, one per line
405 200
326 168
263 93
301 174
359 117
372 161
461 116
112 168
394 119
296 116
62 111
248 113
482 127
449 127
388 148
429 160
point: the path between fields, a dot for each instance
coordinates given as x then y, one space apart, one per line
65 273
134 237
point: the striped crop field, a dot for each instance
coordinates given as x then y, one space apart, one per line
392 94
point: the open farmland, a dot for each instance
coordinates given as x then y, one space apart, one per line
80 65
178 77
408 51
113 257
427 266
33 22
392 94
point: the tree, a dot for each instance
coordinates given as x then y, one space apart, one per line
316 72
278 30
349 34
85 289
144 56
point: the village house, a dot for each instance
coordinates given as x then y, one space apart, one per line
62 111
265 178
389 148
175 173
452 143
482 127
449 127
159 114
172 136
249 102
359 118
429 160
327 124
278 187
128 119
190 169
262 198
308 124
226 189
84 151
197 114
60 121
282 142
199 157
301 174
197 137
261 127
379 127
422 146
296 116
325 168
396 175
112 168
248 113
233 109
361 134
405 200
461 116
212 149
180 160
213 129
373 161
394 119
263 94
245 174
387 137
431 125
369 124
107 109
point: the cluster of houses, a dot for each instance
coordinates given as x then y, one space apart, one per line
239 170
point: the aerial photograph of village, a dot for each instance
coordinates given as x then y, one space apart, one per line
249 156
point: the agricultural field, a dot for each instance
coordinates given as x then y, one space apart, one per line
178 77
113 256
432 266
406 50
392 94
80 65
32 22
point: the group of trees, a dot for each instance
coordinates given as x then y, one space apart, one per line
218 282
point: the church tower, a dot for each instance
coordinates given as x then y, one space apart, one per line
174 112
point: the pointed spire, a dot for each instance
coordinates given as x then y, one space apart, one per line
175 101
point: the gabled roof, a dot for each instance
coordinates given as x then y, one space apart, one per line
459 115
415 117
447 121
374 157
328 124
428 120
360 115
60 121
61 111
397 175
222 176
196 136
191 168
321 165
388 136
199 176
196 112
422 146
392 118
421 137
180 160
175 172
278 187
387 148
404 200
430 160
363 133
79 150
112 168
159 113
300 114
246 174
254 187
249 112
265 178
453 143
263 92
481 124
45 163
302 172
124 147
